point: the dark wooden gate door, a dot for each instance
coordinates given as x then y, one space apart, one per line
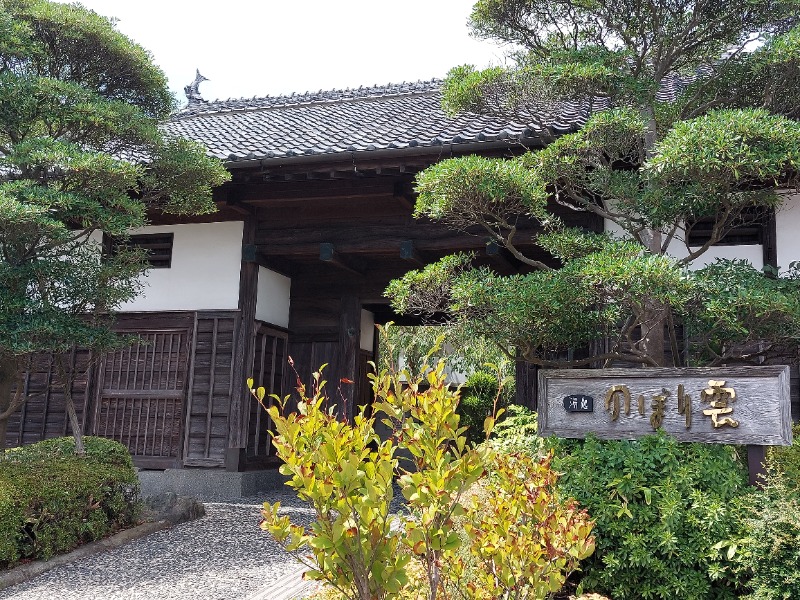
141 394
269 371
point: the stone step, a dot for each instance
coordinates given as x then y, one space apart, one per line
291 586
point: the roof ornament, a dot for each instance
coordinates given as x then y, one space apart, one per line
192 90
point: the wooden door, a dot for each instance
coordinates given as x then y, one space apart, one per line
141 394
269 371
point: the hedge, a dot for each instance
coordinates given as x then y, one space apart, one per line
52 501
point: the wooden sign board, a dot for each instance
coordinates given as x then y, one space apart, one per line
726 405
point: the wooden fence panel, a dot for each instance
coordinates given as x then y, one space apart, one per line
210 388
141 394
44 415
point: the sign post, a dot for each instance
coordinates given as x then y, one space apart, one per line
727 405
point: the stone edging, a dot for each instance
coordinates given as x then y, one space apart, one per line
28 571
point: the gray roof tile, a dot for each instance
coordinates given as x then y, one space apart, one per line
396 116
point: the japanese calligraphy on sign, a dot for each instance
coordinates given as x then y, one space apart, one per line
727 405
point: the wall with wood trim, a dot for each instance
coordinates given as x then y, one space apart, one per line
167 397
754 253
274 293
204 274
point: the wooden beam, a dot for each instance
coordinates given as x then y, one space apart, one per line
403 196
756 458
251 254
526 381
242 209
328 254
349 346
496 253
409 252
232 199
301 189
380 234
371 239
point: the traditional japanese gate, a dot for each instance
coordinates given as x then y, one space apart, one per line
141 393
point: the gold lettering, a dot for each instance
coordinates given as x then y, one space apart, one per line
718 397
685 406
659 404
612 400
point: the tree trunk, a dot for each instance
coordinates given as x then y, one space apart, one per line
9 366
67 377
653 339
434 576
654 318
74 423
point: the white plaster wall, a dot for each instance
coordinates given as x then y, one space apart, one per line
367 330
754 253
787 225
272 302
206 259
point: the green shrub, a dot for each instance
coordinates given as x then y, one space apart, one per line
52 500
106 451
786 460
517 540
767 553
770 553
478 397
517 431
660 507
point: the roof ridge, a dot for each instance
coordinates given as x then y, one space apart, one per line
293 99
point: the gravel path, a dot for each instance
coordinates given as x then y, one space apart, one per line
221 556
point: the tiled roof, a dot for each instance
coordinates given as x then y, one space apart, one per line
345 122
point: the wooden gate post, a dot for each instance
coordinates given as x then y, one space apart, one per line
239 412
756 456
349 346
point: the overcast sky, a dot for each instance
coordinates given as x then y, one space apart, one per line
266 47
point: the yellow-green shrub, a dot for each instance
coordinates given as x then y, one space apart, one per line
345 472
525 538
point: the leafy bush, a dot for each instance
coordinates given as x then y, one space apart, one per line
345 473
481 396
786 461
517 431
100 449
525 538
660 507
767 553
770 553
52 500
